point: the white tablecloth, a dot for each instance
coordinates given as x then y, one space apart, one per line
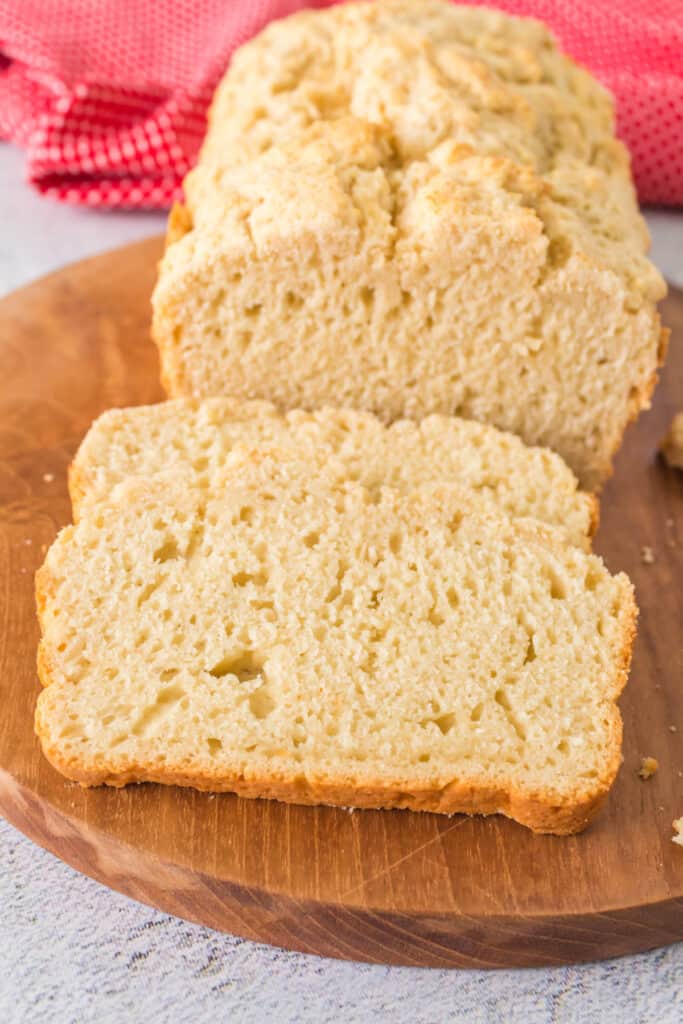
72 951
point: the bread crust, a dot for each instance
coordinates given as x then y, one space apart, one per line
179 223
640 401
79 483
542 811
185 369
594 511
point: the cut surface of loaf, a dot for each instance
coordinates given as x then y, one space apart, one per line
195 437
414 208
292 636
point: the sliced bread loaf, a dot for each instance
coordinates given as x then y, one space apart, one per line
288 635
410 207
194 438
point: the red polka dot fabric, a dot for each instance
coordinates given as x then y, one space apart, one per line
109 99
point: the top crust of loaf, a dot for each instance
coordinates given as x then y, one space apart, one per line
426 71
297 604
195 437
340 181
415 169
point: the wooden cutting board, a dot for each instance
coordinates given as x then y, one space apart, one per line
390 887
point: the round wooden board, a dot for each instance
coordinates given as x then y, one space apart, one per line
390 887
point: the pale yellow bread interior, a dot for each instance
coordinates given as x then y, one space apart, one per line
287 634
195 438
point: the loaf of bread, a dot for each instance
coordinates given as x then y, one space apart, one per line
290 635
411 207
195 437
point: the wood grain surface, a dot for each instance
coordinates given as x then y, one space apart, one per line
391 887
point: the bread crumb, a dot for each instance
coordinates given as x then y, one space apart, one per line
672 728
647 555
670 533
48 477
671 446
678 829
648 767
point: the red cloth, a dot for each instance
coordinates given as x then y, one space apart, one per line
109 96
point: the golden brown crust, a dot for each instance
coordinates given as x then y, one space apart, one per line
594 511
44 588
45 665
179 223
170 364
639 400
78 484
44 591
671 445
664 339
535 811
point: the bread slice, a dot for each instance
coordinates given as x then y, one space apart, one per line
194 438
293 636
412 208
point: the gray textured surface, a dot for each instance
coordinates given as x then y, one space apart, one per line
74 952
71 951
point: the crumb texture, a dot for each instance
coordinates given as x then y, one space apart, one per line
195 438
414 208
293 635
